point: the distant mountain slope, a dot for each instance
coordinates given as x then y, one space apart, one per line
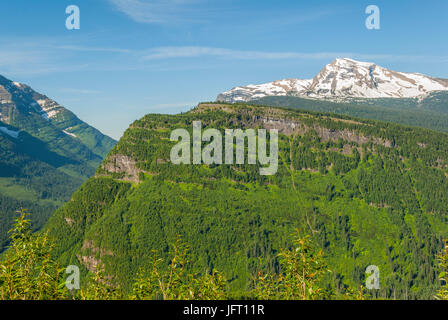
44 118
367 192
430 112
343 78
46 153
29 178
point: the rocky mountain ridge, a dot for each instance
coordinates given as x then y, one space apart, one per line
343 79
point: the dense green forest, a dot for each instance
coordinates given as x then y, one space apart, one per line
367 192
429 112
29 177
28 271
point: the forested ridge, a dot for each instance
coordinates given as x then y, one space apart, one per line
366 192
430 111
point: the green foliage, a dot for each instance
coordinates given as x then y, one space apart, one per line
175 283
28 271
356 294
442 259
100 287
302 270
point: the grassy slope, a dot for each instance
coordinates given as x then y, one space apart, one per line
93 139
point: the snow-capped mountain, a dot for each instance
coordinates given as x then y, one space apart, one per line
344 78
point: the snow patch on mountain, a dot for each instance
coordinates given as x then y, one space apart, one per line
70 134
50 109
11 133
18 85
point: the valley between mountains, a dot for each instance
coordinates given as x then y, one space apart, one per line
362 170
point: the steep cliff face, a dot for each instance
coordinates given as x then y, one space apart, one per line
287 124
123 166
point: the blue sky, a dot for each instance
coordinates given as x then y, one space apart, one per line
133 57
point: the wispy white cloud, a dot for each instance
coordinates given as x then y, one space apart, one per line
91 49
33 57
194 52
202 11
19 60
164 11
80 91
45 57
14 56
198 52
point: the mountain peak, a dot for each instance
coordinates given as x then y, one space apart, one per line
344 78
350 61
